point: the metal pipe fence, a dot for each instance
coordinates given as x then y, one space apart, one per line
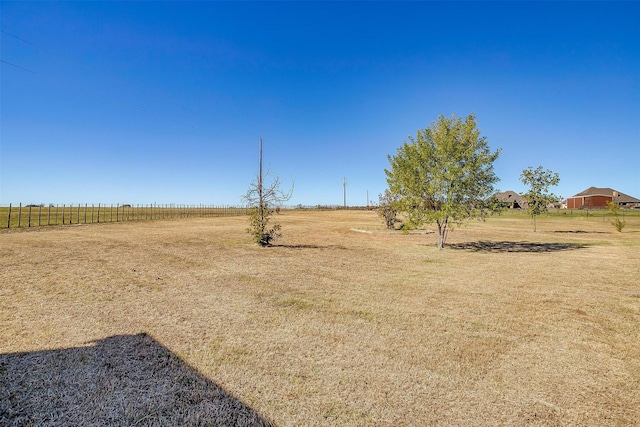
591 213
27 216
40 215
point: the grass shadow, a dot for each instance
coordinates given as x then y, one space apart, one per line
581 232
308 246
507 246
120 380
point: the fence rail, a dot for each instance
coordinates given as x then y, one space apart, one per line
25 216
39 215
592 213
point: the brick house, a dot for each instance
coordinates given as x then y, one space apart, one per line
594 197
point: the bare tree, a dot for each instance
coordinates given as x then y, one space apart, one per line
388 208
263 201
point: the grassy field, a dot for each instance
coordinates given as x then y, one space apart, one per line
342 323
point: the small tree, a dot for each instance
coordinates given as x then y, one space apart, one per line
388 208
445 175
263 202
614 208
538 197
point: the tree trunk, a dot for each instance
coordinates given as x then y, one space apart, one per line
442 232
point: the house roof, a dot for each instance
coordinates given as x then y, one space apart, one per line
510 197
610 192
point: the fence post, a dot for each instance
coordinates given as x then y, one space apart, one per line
19 214
9 217
29 219
39 212
49 215
64 208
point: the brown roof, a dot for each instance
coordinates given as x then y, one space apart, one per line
616 195
510 197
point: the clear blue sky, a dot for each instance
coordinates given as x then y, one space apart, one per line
122 102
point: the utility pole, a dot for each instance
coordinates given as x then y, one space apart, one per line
260 175
344 191
367 199
260 199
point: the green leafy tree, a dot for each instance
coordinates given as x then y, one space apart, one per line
263 201
538 197
445 175
614 208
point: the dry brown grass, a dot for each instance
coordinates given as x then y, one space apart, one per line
345 323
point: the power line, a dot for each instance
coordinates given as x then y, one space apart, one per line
93 70
93 93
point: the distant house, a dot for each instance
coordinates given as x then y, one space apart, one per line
594 197
512 199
